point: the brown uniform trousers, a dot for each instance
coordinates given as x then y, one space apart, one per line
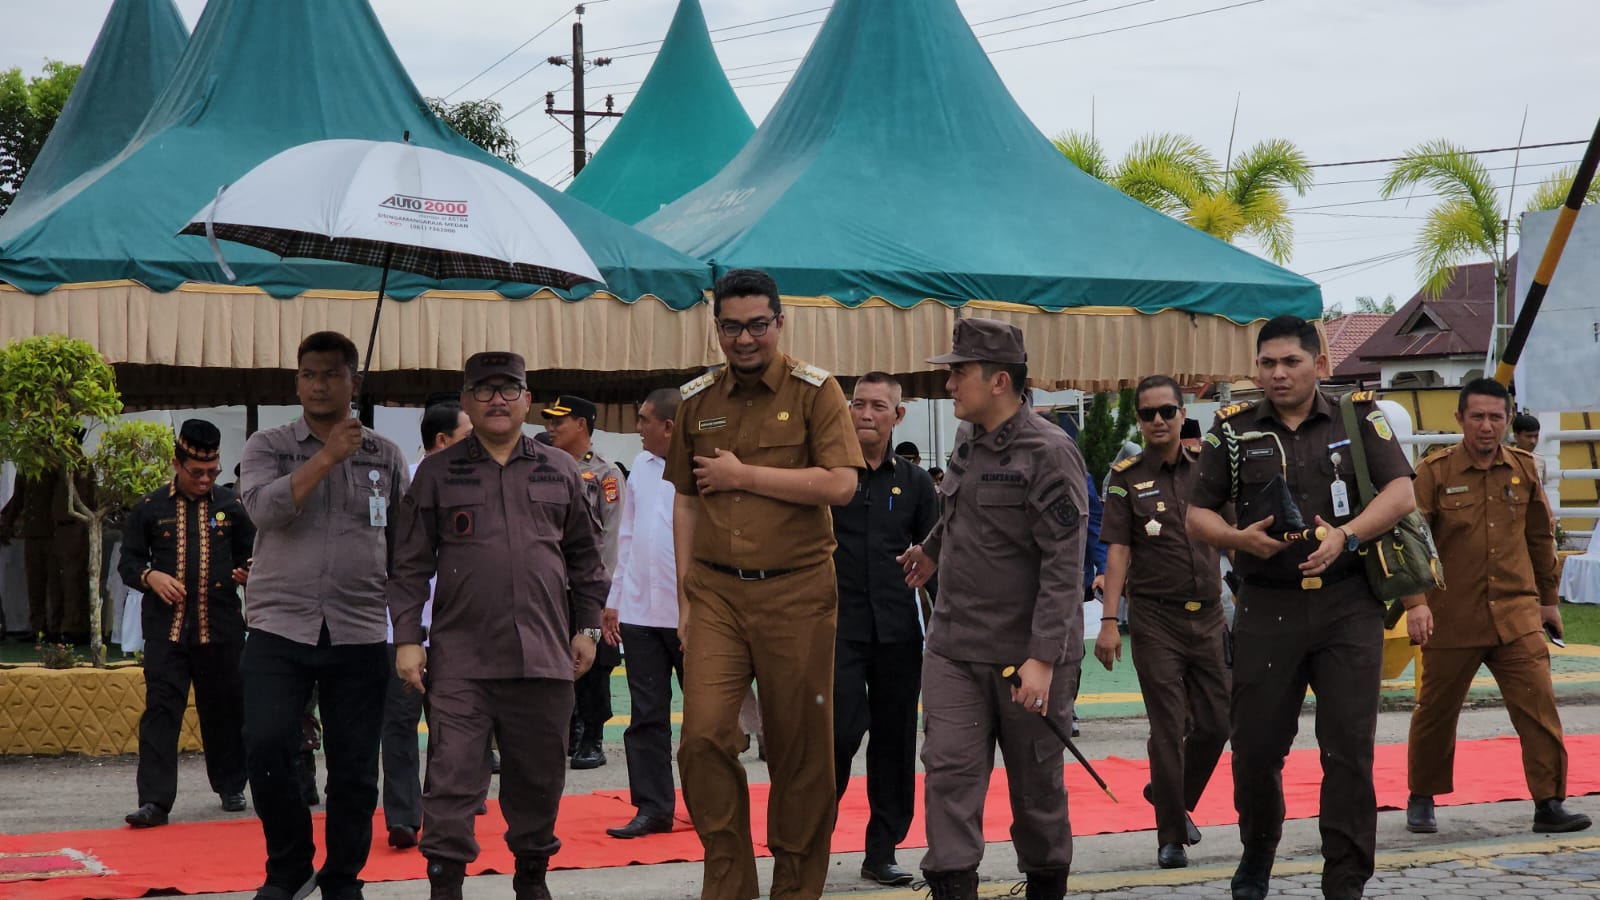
1497 545
781 632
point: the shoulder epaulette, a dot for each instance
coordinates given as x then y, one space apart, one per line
697 385
1439 454
809 374
1234 409
1364 397
1127 464
1519 450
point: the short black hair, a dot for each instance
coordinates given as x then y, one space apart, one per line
1291 327
908 450
440 418
1486 387
330 342
746 283
1522 423
1017 371
664 403
1151 382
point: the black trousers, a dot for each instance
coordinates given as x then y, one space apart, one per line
402 764
592 694
169 669
875 688
654 656
350 680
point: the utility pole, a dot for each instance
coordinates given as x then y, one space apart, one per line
580 116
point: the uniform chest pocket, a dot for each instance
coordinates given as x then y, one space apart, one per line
1001 495
1465 503
550 498
459 511
1259 468
782 443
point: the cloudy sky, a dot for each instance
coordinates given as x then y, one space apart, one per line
1347 80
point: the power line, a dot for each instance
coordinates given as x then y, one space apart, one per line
491 66
1390 159
1093 12
1030 12
1077 37
792 15
533 104
1380 258
1557 162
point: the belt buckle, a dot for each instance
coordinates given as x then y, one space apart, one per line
1192 606
1311 584
755 575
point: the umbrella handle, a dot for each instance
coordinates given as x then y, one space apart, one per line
383 286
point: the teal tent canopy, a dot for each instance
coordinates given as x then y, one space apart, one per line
897 167
131 61
682 127
255 79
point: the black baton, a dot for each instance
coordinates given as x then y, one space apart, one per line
1009 673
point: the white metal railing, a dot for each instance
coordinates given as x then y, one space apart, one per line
1561 512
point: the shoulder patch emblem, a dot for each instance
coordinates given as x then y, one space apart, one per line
697 385
1380 424
1117 491
588 476
810 374
1364 397
609 485
1212 439
1234 409
1064 511
1127 464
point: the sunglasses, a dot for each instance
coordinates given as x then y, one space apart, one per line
1166 411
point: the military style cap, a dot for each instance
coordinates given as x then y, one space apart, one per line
482 366
199 440
984 340
570 405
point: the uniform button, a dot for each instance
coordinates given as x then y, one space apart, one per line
737 532
736 499
749 403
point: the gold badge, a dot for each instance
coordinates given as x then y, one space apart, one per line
1515 480
1161 506
1192 606
1310 584
1152 528
895 491
783 416
1144 485
222 517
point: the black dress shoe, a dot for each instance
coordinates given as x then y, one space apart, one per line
151 815
886 873
233 802
1191 832
641 826
589 756
444 879
1255 871
1550 817
1172 856
402 837
1419 815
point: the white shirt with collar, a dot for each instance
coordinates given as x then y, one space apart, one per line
644 588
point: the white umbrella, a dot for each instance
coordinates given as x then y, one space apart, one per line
396 206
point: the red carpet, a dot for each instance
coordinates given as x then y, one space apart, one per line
210 857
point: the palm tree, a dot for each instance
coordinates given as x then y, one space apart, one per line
1552 192
1175 174
1467 223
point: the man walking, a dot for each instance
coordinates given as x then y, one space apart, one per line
877 659
1306 615
642 614
504 524
187 546
1174 591
1496 540
764 448
320 491
1009 547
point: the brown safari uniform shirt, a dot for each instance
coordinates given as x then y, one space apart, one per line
1145 508
505 543
794 417
1497 545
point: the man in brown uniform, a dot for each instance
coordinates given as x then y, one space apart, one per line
1497 543
1306 614
1009 552
1174 591
762 449
504 524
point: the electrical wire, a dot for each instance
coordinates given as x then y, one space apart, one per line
1137 25
491 66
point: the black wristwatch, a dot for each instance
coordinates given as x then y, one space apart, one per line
1351 542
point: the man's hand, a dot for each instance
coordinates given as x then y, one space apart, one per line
1108 646
918 566
610 627
1419 624
683 626
582 654
169 589
1331 548
1034 694
1099 584
723 472
1551 615
241 575
344 439
1255 541
411 664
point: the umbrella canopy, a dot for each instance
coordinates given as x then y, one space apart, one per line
681 128
897 169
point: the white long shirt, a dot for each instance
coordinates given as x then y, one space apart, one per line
644 588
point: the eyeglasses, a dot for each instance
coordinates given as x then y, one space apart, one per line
202 474
509 391
756 327
1166 411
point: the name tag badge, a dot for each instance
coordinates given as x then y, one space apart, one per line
378 511
1458 489
1341 499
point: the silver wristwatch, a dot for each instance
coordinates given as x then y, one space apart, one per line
592 634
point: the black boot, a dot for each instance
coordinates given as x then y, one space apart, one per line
1255 870
1550 817
528 882
961 885
589 755
1419 814
444 879
1050 884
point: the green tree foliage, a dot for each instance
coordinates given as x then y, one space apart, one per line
1465 223
479 121
53 390
1364 305
29 108
1105 430
1552 192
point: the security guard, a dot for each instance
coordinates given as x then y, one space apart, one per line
762 449
187 546
1009 550
1174 590
504 524
1306 614
570 424
1496 540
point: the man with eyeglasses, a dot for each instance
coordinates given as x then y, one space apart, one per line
762 449
1174 590
503 522
187 546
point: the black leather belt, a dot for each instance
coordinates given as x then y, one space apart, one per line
745 574
1302 584
1186 605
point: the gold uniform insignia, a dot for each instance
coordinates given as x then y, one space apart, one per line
1127 464
1364 397
1144 485
697 385
1234 409
783 416
809 374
